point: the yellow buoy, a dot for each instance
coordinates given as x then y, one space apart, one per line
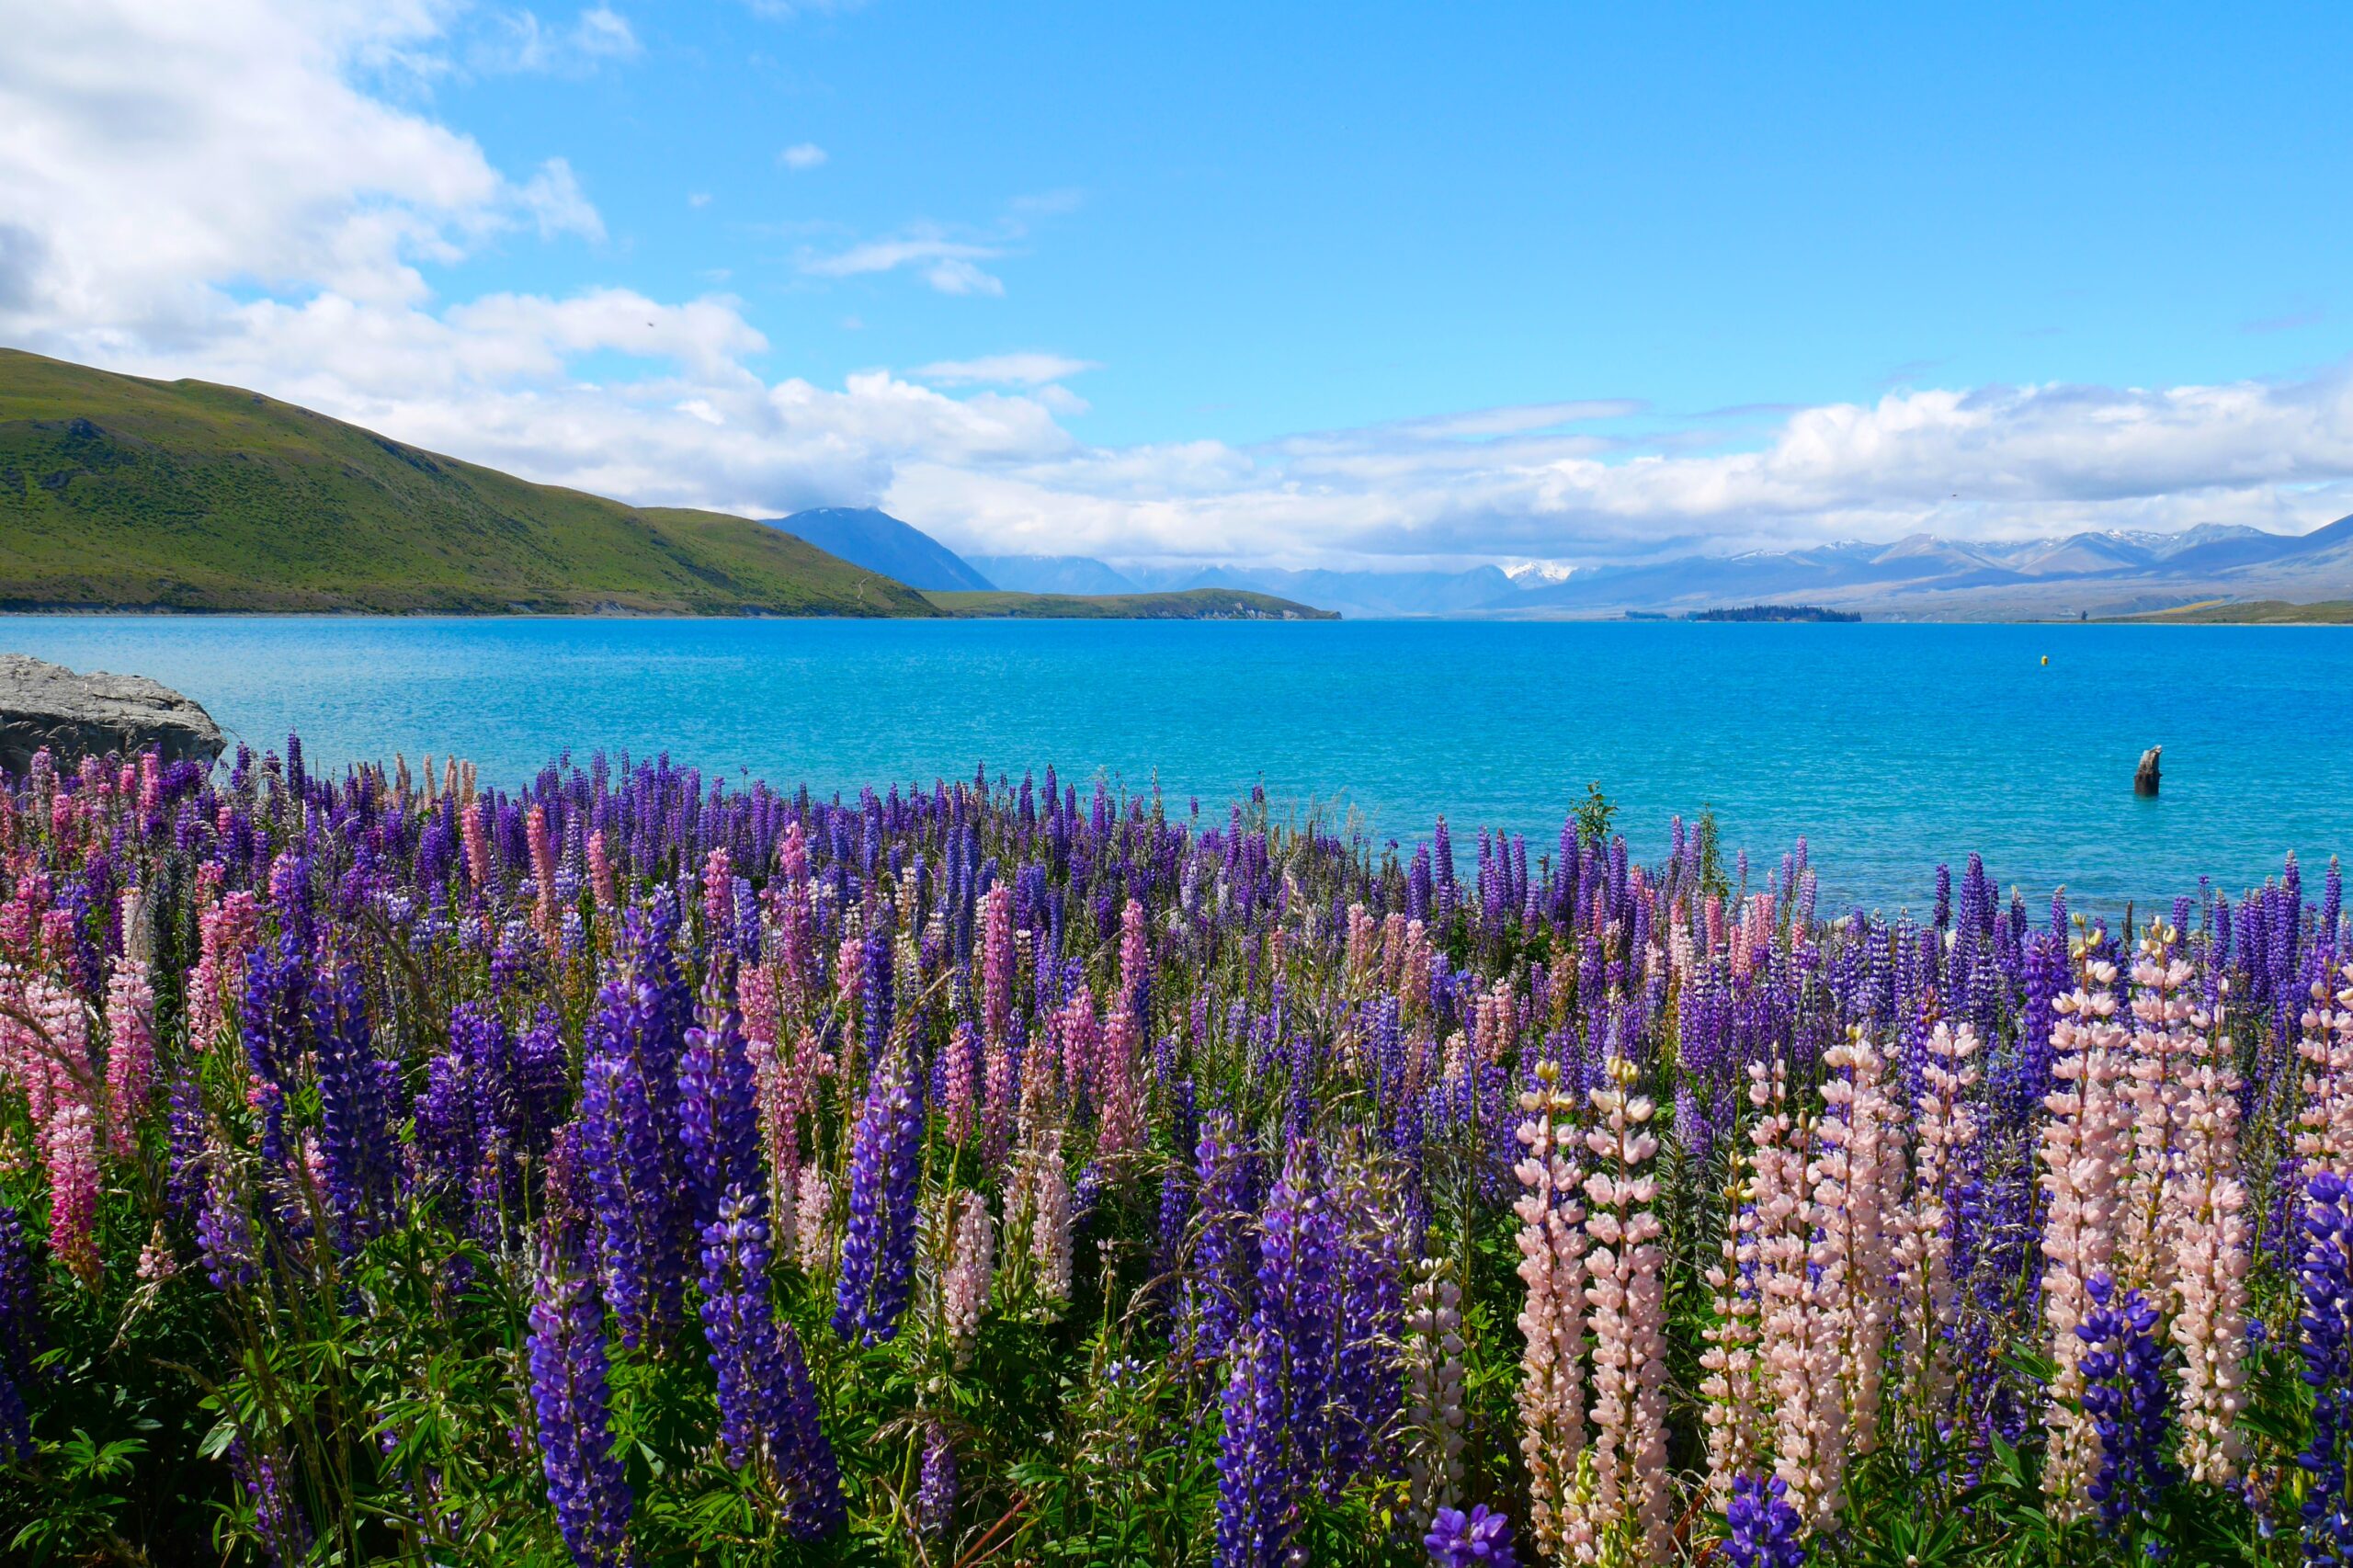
2046 659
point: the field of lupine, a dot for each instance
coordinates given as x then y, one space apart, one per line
640 1168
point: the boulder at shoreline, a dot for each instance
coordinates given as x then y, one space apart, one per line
77 715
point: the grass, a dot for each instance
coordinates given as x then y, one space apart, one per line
120 492
1193 604
2248 612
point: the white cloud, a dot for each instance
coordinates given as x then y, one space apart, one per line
947 264
221 195
553 198
802 156
1020 370
518 41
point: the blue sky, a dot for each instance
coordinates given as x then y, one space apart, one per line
1304 218
1798 272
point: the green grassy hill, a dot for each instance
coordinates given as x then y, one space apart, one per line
117 492
1192 604
2249 612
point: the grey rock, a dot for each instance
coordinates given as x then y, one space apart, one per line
2145 777
75 716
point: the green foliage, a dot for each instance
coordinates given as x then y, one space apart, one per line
1594 815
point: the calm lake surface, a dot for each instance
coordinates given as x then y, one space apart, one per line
1890 748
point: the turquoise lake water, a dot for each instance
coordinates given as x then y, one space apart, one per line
1890 748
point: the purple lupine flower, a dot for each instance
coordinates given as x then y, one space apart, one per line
1297 1308
573 1406
879 1241
1763 1528
285 1528
1368 1380
224 1229
1257 1508
718 1124
1481 1538
355 1131
22 1335
449 1146
806 1470
542 1083
1217 1288
935 1486
2126 1399
739 1320
636 1168
2326 1276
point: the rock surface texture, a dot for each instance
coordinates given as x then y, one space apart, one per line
2145 777
75 716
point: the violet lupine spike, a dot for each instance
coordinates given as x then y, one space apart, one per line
807 1472
2324 1278
1257 1508
719 1123
573 1402
355 1131
879 1242
2126 1399
635 1194
22 1335
739 1321
1218 1286
936 1484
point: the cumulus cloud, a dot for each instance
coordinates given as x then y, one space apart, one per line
235 195
802 156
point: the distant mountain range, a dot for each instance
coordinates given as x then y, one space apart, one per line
1925 577
880 542
1921 577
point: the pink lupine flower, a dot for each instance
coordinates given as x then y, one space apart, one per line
1358 954
2084 1146
997 1101
1135 964
796 939
2210 1257
1627 1501
1856 1175
69 1146
1800 1325
130 1048
535 825
1551 1318
601 874
997 963
964 1293
2324 1136
1731 1387
1946 1127
960 1073
1120 1087
2162 1042
1051 1232
473 824
1078 1033
1434 1416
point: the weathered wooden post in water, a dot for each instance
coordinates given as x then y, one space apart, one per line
2145 777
